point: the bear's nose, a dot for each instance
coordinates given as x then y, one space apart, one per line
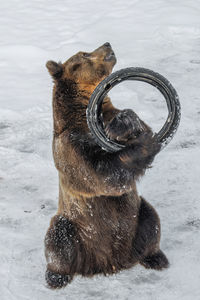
107 45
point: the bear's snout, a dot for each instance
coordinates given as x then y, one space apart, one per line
108 45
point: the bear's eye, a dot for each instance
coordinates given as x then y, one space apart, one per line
86 55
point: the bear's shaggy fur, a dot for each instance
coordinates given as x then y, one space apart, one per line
102 225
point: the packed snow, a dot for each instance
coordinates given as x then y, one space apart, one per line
163 35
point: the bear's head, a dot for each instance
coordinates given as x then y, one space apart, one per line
85 68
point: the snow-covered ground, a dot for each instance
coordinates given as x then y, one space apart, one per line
163 35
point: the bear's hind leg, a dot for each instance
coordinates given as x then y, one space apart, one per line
56 280
157 261
146 244
61 251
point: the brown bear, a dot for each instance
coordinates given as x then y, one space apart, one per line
102 225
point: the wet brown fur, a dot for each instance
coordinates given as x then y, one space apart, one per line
102 225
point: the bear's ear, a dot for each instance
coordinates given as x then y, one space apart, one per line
55 69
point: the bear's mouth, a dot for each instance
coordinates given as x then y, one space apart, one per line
110 56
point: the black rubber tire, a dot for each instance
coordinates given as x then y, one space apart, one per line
94 117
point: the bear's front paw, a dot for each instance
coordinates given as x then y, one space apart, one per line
139 154
124 127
